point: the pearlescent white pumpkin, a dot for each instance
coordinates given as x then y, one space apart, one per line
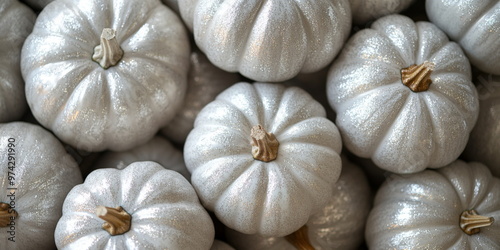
367 10
157 149
111 103
36 175
205 82
16 23
274 193
403 129
475 25
339 225
484 142
268 40
424 210
163 211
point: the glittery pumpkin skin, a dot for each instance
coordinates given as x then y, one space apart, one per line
382 119
93 108
44 174
16 23
166 213
422 210
268 40
339 225
270 198
475 25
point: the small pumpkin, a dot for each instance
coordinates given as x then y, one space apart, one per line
205 82
368 10
263 157
339 225
105 74
474 24
269 40
157 149
484 140
143 206
16 24
36 175
403 95
455 207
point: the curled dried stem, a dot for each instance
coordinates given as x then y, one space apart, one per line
300 239
264 145
118 221
7 214
471 223
108 52
417 77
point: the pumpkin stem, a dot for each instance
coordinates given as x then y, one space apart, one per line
108 53
264 145
471 222
7 214
300 239
417 77
117 219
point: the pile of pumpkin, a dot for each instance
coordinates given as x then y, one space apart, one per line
198 124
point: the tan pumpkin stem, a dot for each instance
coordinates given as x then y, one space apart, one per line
117 219
6 214
264 145
471 222
108 53
417 77
300 239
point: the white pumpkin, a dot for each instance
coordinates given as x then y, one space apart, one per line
484 142
263 157
157 149
475 25
270 40
205 82
368 10
36 175
16 24
339 225
455 207
133 88
143 206
403 95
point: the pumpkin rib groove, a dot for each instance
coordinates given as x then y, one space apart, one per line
130 33
307 29
384 134
479 16
236 108
83 18
247 35
391 43
285 99
349 101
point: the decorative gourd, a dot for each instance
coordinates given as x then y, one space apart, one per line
36 175
157 149
16 23
484 141
106 75
474 24
403 95
270 40
143 206
368 10
263 157
37 4
339 225
455 207
205 82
